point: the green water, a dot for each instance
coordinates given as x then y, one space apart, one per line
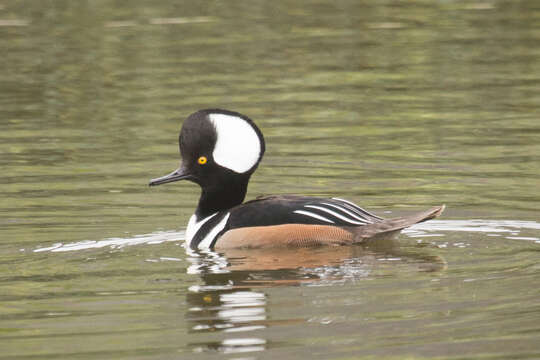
396 105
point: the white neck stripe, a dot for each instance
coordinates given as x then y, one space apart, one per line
208 239
194 226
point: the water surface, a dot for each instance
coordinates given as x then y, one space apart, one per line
395 105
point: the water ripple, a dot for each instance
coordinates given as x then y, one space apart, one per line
426 229
490 227
116 242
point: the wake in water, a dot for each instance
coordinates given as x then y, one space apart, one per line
509 229
116 243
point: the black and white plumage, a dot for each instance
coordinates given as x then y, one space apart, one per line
220 150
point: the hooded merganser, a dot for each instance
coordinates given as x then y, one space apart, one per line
220 150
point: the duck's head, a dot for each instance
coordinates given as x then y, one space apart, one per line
218 147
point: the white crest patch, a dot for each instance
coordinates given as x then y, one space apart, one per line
237 147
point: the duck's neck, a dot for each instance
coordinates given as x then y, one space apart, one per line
221 198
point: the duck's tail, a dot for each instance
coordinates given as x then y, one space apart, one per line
387 228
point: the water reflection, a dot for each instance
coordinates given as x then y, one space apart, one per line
233 296
224 303
276 266
229 311
242 301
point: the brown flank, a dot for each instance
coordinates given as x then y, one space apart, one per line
301 235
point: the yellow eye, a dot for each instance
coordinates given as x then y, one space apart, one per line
202 160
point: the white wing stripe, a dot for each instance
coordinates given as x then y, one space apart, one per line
355 216
357 211
318 217
357 208
333 213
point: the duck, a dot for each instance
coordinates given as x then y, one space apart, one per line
220 150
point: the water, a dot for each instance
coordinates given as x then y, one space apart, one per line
395 105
